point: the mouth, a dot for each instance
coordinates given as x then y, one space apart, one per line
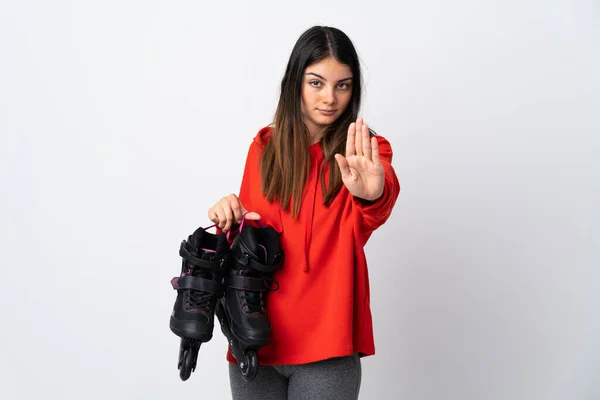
326 112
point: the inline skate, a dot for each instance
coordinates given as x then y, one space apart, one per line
255 254
204 258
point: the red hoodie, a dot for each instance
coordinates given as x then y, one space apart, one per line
322 307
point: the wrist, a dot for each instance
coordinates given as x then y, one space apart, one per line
369 200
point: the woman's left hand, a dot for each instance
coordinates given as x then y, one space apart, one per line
362 172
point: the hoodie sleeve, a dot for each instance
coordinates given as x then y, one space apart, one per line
372 214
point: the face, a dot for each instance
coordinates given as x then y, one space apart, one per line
326 92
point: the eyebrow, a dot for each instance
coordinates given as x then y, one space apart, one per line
319 76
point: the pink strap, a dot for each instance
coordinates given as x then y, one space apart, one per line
260 224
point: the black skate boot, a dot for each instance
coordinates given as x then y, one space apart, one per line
204 258
254 256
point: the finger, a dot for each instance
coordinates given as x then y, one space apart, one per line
212 216
375 151
358 137
350 140
236 208
366 142
228 214
344 167
221 219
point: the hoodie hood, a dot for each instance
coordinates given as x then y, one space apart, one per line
262 137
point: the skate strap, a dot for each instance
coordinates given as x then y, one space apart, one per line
194 283
198 262
261 267
245 259
246 283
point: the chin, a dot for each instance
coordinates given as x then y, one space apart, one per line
325 120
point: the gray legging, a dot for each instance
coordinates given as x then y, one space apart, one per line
335 378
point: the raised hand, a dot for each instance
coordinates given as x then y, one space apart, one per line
362 172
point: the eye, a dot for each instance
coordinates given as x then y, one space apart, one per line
343 86
315 83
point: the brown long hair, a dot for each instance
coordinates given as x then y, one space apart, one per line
285 162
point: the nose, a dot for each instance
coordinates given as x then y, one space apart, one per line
329 96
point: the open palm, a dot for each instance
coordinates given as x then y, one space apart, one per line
362 172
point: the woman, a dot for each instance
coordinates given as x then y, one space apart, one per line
321 178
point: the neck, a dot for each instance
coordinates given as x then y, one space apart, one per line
315 133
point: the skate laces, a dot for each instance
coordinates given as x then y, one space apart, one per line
268 280
200 300
254 300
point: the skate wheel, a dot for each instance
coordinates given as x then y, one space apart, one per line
249 367
188 363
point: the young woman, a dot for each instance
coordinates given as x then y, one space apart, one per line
321 178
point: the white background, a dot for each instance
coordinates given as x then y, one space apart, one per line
121 122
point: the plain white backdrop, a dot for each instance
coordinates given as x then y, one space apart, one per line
121 122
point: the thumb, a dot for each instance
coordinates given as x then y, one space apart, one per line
250 215
343 164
